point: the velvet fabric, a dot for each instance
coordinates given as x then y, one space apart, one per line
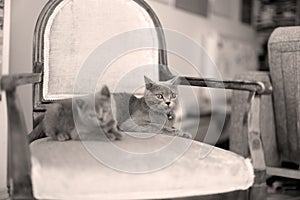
68 170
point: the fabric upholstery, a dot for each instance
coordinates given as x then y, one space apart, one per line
284 48
66 170
77 27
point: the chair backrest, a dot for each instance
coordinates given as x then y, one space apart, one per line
68 32
284 59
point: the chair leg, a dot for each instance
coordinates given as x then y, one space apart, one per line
19 165
259 189
258 192
237 195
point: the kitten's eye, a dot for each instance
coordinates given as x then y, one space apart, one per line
159 96
173 95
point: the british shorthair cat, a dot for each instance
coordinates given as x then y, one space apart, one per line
152 113
92 114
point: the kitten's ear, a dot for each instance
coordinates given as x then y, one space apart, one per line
105 91
148 82
174 80
79 102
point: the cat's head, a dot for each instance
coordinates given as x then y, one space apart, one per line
161 96
99 112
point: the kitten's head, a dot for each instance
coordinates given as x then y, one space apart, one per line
161 96
101 113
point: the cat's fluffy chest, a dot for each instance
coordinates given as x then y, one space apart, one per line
140 112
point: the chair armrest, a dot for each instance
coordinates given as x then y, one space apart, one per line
19 164
238 130
252 130
260 87
9 82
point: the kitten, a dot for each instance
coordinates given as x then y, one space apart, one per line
153 113
91 118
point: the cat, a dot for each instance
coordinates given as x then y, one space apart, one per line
155 112
90 117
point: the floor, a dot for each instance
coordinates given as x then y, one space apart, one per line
282 197
284 188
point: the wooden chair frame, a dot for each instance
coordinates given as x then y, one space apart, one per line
19 164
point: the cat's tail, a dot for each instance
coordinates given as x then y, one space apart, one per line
38 131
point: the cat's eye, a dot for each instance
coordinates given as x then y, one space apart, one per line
159 96
173 95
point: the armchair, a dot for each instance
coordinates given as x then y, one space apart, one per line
65 34
278 113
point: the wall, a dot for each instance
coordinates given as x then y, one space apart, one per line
199 28
193 25
24 14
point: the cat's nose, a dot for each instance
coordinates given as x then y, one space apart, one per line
168 103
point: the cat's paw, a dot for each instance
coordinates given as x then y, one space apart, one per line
111 136
170 130
176 132
185 135
63 137
118 135
74 135
114 134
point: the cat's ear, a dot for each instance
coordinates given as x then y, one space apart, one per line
174 80
105 91
148 82
79 102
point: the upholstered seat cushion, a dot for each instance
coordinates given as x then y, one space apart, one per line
68 170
